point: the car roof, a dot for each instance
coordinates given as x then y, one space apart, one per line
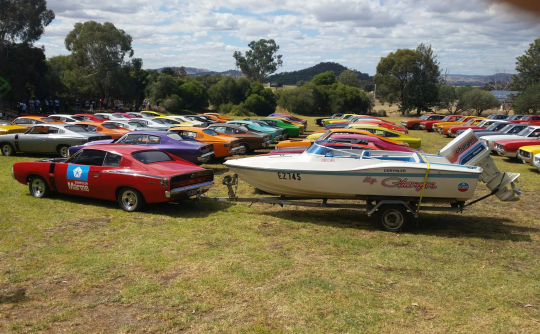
60 125
186 128
34 117
83 115
89 123
153 133
215 125
120 148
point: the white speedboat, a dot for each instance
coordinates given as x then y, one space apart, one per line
323 172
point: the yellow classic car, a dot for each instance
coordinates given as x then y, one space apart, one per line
6 127
526 153
174 121
327 121
460 121
445 130
152 113
387 133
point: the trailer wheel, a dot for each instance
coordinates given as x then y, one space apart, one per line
393 218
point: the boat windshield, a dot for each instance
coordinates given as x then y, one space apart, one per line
343 152
360 153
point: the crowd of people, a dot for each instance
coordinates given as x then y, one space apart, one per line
56 105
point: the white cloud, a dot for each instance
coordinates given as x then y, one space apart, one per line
469 36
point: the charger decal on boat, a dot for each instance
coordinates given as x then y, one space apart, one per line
289 176
463 187
397 182
370 180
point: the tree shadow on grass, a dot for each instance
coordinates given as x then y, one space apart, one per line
436 224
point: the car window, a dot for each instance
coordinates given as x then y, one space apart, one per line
99 117
535 134
48 120
175 136
90 158
109 126
75 128
239 132
112 160
516 129
91 128
189 134
148 157
53 130
390 134
21 121
39 130
154 139
137 139
210 132
5 123
219 129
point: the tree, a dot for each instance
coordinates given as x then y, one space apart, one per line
447 97
99 51
182 72
258 105
298 101
528 67
498 81
228 90
325 78
165 85
528 101
480 100
349 78
409 78
169 71
194 95
267 94
259 62
23 21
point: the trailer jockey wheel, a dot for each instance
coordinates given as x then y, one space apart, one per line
393 217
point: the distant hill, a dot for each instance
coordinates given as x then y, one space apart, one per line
192 71
291 78
475 80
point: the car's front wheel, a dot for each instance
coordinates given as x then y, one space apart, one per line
7 149
416 127
130 200
38 187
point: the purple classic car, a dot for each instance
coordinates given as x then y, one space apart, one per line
183 147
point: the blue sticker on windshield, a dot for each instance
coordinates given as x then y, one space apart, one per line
76 172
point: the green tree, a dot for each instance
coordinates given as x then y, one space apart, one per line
228 90
325 78
447 97
349 78
528 101
23 21
258 105
173 104
300 101
194 95
209 80
479 100
528 67
259 62
165 85
266 93
409 78
169 71
182 72
343 99
99 51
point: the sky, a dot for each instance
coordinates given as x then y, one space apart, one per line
469 36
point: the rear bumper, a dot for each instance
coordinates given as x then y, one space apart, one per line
190 190
206 157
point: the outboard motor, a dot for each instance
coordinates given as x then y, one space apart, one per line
468 149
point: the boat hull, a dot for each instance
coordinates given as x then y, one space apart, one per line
388 181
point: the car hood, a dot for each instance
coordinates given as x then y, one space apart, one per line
519 141
503 137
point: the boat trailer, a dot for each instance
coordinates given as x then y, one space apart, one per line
391 214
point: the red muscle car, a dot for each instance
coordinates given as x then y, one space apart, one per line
531 119
509 148
415 123
428 125
130 174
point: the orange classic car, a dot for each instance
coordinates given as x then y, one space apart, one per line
218 117
107 129
224 146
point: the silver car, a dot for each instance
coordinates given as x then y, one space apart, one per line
47 138
132 125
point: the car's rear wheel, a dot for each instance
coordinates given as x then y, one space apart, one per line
63 150
38 187
7 149
247 148
130 200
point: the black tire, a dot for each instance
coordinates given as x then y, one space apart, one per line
130 200
7 149
63 150
393 218
416 127
38 187
248 149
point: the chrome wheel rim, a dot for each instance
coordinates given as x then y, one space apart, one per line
393 219
38 187
129 199
64 152
6 149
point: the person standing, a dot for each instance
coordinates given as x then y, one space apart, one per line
23 107
57 105
86 104
37 105
78 106
105 104
45 105
149 105
30 105
157 105
121 105
144 104
51 105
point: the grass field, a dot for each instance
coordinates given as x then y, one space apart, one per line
78 265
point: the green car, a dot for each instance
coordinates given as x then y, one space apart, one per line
292 130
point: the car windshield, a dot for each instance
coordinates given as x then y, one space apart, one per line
462 119
175 136
483 123
109 126
424 117
76 128
149 157
119 116
447 118
493 126
5 123
99 117
210 132
159 121
48 120
525 132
